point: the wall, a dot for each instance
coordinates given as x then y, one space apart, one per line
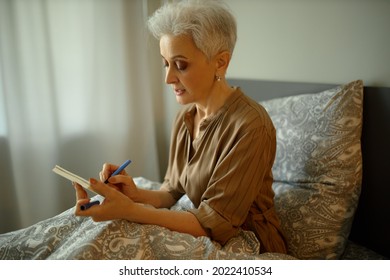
331 41
312 41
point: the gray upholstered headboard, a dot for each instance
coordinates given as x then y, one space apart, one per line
371 226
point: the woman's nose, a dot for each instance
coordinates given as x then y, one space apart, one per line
170 76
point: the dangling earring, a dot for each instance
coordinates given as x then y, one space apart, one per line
217 78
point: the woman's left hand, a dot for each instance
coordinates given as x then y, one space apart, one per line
115 205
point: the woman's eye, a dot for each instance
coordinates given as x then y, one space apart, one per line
181 65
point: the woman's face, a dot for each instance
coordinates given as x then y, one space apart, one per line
188 70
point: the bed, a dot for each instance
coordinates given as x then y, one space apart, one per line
66 236
330 188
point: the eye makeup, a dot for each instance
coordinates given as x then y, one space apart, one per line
179 65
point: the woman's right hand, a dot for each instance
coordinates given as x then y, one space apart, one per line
122 182
107 170
125 184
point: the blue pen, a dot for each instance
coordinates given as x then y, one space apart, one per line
119 170
89 205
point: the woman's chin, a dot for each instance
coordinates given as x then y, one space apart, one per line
182 100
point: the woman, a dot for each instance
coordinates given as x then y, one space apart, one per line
223 143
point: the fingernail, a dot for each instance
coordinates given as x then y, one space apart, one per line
92 181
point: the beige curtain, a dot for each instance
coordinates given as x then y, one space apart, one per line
80 84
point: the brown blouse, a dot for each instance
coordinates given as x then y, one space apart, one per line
226 171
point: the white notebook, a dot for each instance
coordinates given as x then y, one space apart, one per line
72 177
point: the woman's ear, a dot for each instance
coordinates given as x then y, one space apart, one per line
222 61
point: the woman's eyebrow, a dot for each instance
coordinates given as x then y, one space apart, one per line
176 57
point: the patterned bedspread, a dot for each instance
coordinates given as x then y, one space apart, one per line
66 236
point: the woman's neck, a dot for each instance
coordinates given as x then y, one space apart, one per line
215 101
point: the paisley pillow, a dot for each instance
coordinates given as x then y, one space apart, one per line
318 168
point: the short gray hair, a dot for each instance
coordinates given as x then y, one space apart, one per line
210 24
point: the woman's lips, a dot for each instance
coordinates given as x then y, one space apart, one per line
179 92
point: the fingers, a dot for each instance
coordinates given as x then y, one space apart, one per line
80 192
99 187
107 170
120 179
81 198
125 185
